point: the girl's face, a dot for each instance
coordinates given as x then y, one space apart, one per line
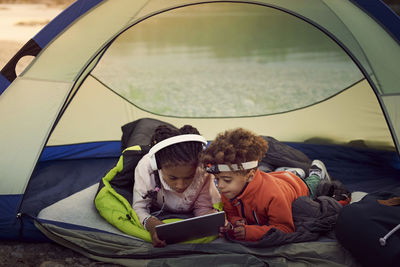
179 177
230 184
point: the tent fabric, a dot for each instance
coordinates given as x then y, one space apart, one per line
81 151
42 78
371 125
130 252
383 14
61 120
62 178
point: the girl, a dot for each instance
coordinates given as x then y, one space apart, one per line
169 178
254 201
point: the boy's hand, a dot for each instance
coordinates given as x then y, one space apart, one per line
223 229
239 231
241 222
151 224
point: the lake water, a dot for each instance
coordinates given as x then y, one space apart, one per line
225 60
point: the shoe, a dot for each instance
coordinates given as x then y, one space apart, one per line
296 171
318 168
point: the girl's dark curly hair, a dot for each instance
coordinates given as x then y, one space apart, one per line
234 147
176 154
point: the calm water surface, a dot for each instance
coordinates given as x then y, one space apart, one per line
225 60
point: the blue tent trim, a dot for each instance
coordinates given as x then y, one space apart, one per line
383 15
8 207
105 149
4 83
63 20
13 227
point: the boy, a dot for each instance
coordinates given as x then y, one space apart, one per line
255 201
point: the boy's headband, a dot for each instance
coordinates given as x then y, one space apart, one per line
217 168
171 141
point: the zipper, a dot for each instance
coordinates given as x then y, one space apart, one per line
239 202
255 217
383 240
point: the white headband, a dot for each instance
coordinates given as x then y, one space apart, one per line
171 141
233 167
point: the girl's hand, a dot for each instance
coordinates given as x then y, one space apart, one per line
151 224
156 241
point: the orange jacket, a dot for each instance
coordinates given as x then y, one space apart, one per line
266 203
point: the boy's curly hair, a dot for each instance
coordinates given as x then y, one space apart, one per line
234 147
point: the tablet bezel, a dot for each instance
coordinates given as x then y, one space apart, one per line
192 228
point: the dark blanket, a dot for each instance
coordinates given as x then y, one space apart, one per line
312 219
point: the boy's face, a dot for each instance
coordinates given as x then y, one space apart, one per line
230 184
179 177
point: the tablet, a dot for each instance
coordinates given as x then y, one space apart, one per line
196 227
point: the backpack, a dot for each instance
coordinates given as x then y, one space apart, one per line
369 228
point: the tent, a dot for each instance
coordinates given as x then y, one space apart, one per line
213 64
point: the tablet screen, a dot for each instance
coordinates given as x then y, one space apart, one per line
196 227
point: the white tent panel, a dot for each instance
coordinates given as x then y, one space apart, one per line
94 114
391 103
28 108
382 59
352 115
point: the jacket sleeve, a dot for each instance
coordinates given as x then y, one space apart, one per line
143 183
279 212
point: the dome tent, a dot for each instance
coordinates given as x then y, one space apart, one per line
66 109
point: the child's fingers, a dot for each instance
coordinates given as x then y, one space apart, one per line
240 223
157 242
238 229
239 232
224 229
